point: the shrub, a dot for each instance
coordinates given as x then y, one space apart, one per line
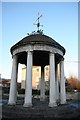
21 91
74 82
5 90
47 92
35 92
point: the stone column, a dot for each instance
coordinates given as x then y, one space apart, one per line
52 95
42 85
28 89
79 68
13 84
62 83
57 82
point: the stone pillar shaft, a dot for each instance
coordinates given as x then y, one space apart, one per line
42 85
62 84
13 85
52 96
28 90
57 82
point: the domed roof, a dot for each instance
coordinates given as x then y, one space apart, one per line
38 39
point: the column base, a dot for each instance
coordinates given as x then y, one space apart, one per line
58 101
63 102
52 105
11 103
42 99
27 105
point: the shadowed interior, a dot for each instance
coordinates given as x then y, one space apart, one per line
40 58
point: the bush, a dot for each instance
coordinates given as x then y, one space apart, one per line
21 91
5 90
74 82
47 92
35 92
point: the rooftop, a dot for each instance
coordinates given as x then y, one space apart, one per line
38 39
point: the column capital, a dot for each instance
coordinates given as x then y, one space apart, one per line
62 59
29 51
14 56
51 53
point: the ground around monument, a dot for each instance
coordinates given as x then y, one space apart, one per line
41 111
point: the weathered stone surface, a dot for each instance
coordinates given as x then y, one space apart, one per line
38 39
41 111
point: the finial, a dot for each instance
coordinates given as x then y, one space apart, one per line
38 24
39 31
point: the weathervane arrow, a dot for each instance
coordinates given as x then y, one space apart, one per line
38 24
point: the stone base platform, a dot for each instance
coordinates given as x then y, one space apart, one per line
41 111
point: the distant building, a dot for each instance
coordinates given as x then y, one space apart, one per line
5 82
36 76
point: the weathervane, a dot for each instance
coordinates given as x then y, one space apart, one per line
38 24
39 31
